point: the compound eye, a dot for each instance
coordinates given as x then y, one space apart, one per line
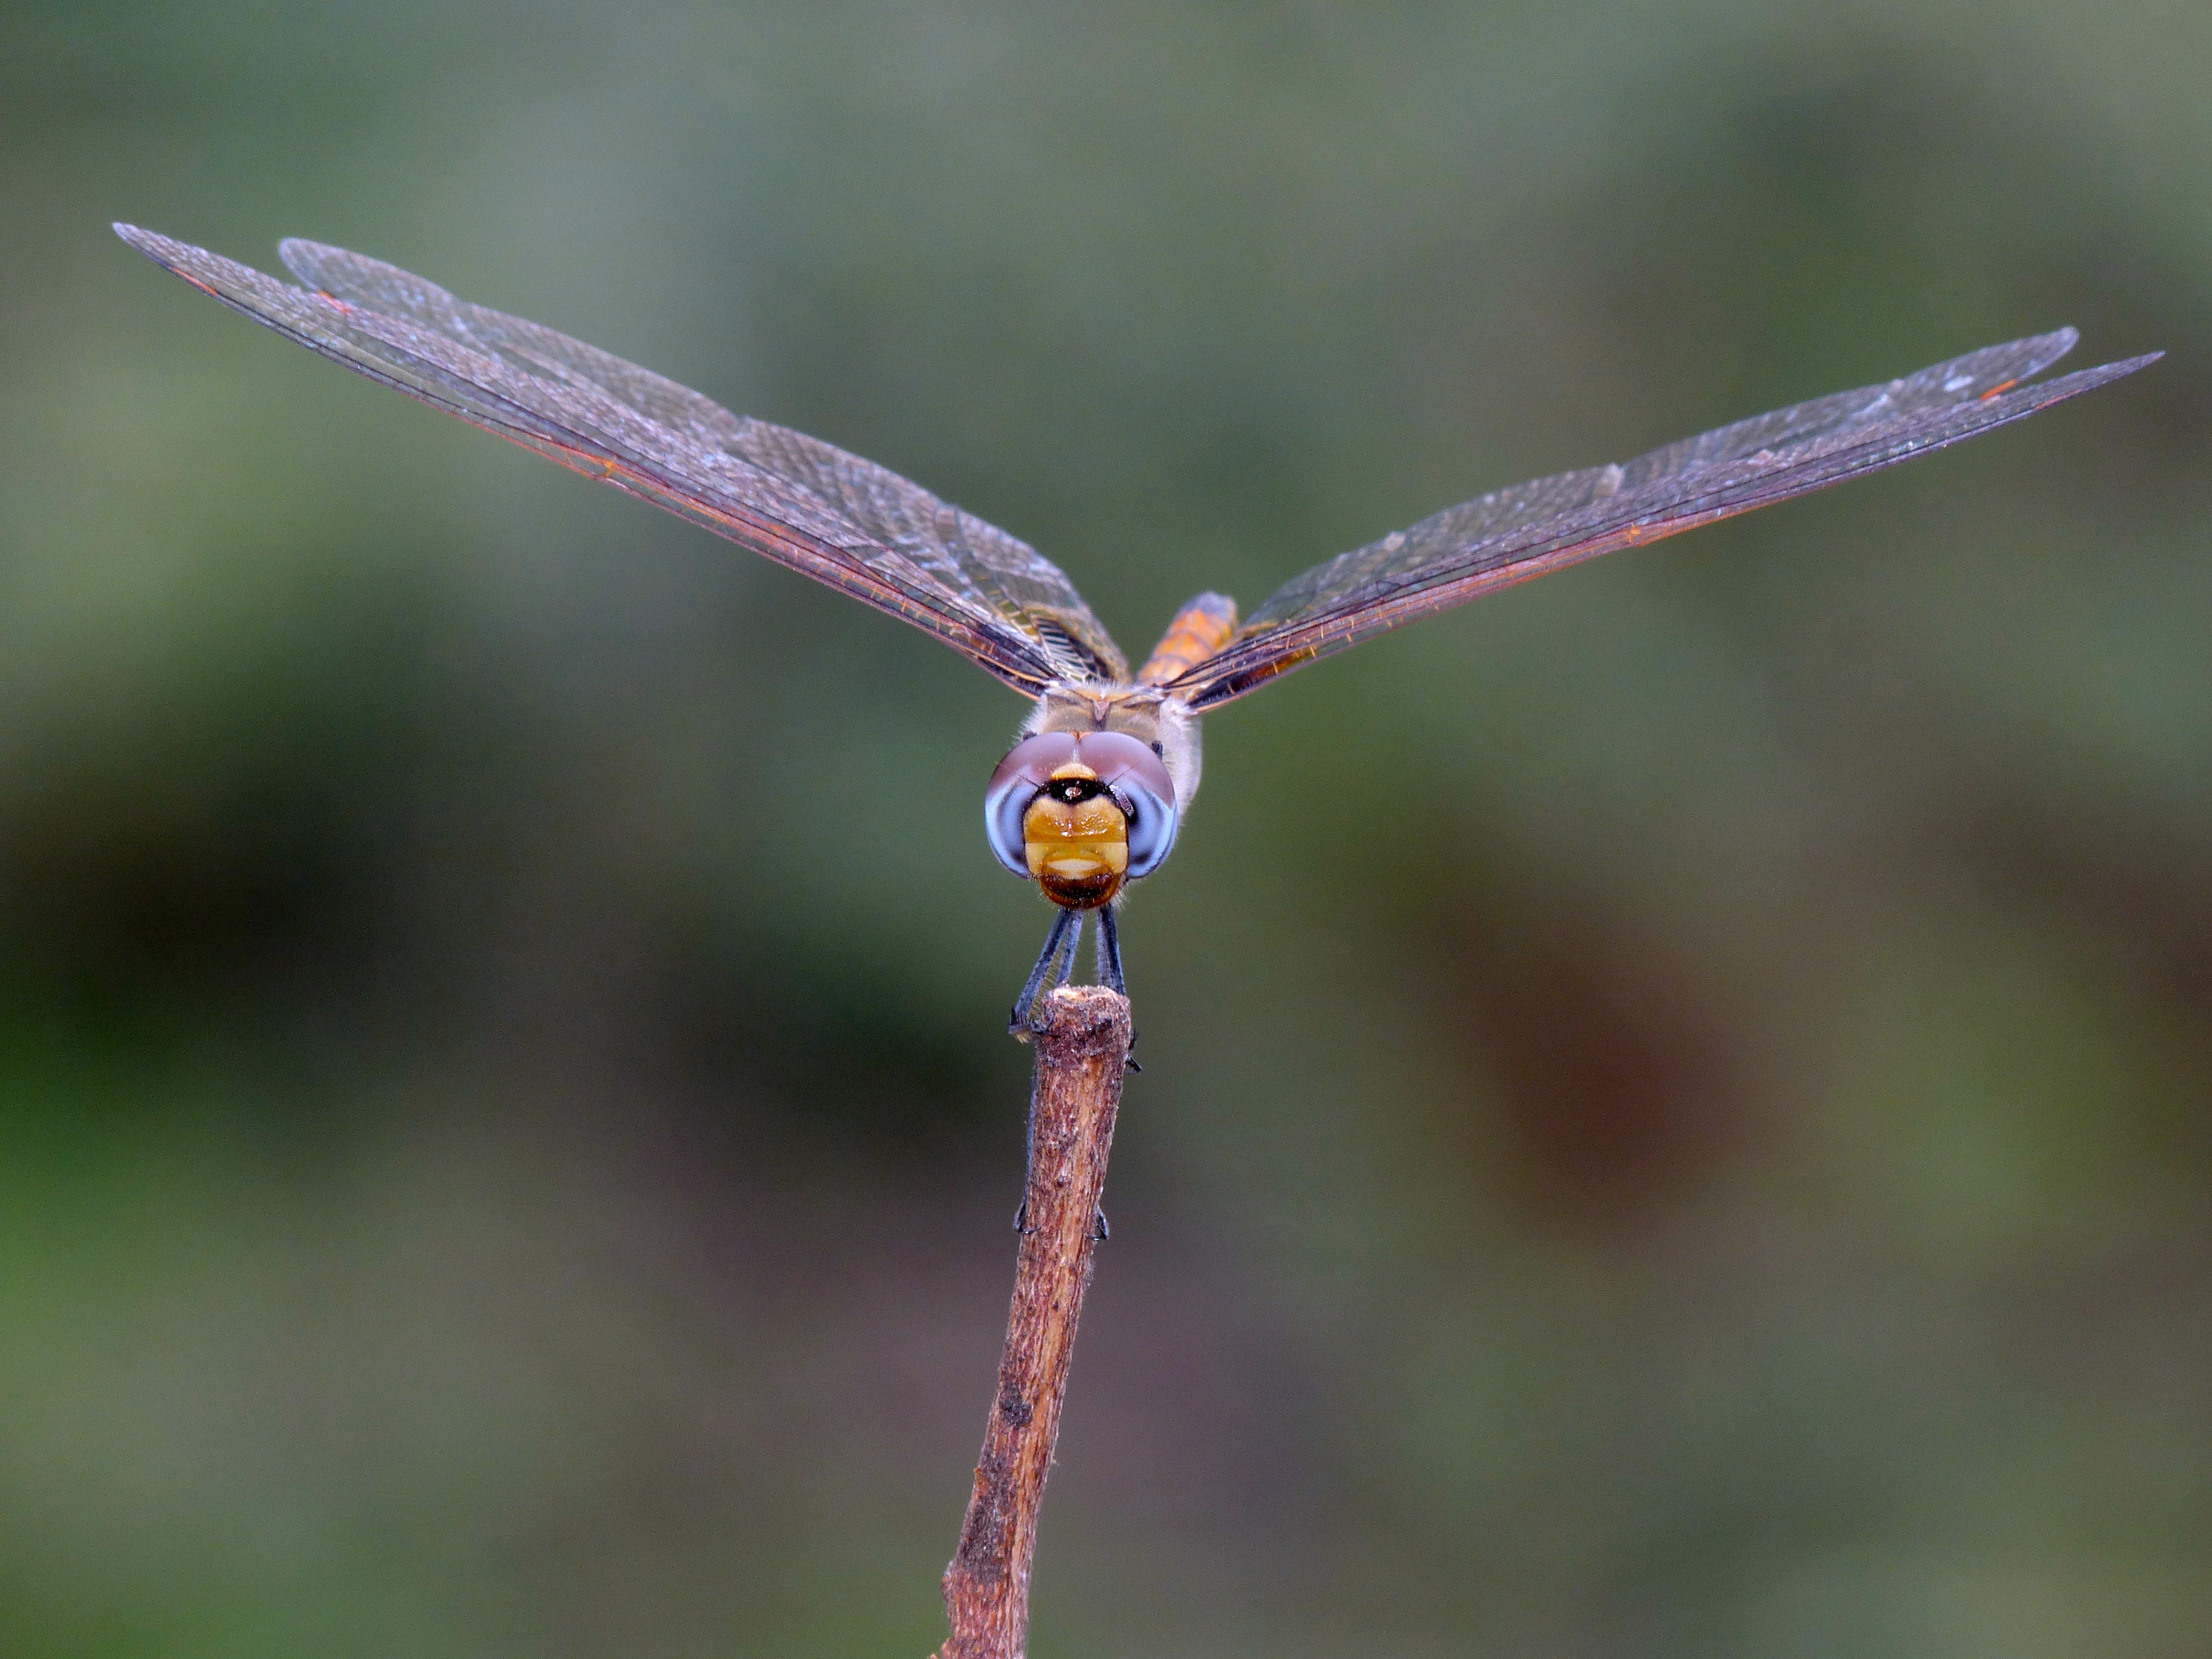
1139 781
1028 767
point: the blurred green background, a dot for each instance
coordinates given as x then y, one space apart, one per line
1674 1110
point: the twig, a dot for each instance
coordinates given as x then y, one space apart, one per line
1080 1052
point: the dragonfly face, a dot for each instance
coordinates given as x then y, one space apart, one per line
1090 798
1080 813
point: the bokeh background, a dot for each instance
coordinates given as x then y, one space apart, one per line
1676 1109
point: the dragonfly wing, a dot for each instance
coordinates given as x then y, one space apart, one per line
1513 534
963 552
631 429
956 547
528 347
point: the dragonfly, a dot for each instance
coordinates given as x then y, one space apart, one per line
1091 796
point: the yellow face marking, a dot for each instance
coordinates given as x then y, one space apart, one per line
1077 851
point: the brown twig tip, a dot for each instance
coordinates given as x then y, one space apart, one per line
1081 1021
1081 1049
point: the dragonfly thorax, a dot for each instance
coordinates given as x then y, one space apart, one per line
1162 722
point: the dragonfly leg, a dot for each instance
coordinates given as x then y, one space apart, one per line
1066 929
1109 975
1065 970
1109 953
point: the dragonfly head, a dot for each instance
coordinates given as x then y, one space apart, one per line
1080 813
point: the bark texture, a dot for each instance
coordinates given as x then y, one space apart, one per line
1080 1055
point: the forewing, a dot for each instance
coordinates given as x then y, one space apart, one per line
966 555
611 421
1513 534
956 546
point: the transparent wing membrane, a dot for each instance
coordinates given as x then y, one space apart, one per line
847 522
806 504
1513 534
